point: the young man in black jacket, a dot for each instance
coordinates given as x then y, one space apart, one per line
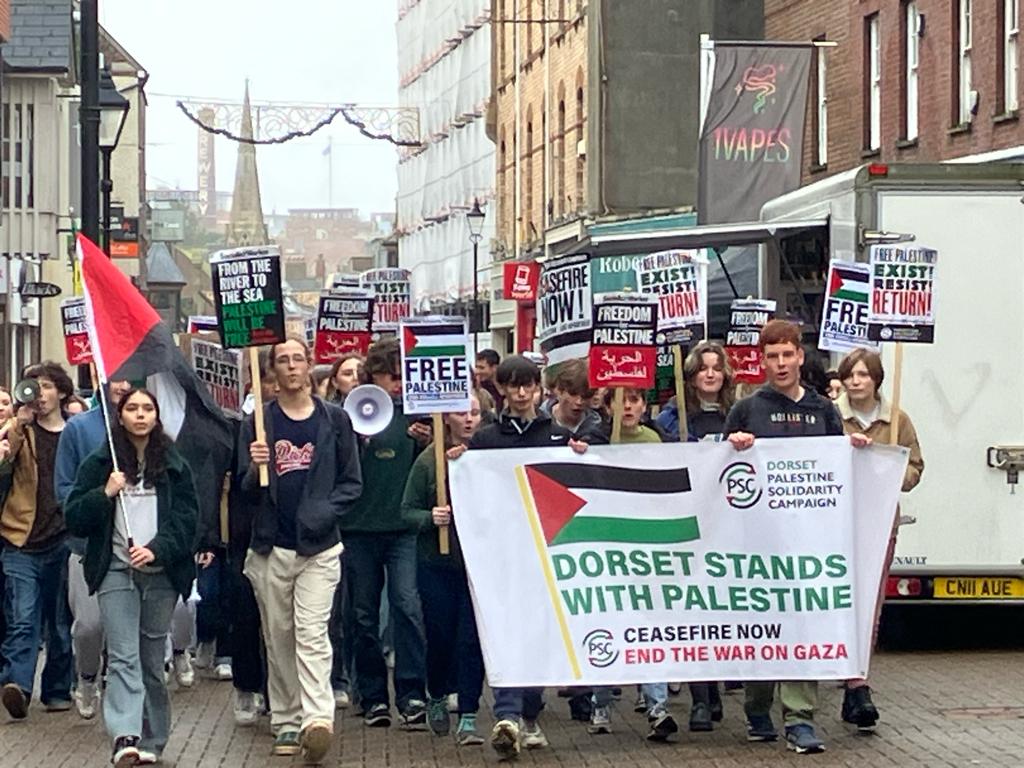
784 408
293 561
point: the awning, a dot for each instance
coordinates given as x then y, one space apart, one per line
717 236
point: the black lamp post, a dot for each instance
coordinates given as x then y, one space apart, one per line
113 109
475 218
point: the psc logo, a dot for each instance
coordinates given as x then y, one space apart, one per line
742 490
600 647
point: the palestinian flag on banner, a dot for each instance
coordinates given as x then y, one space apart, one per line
434 340
131 343
849 284
578 503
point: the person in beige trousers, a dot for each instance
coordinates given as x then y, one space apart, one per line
312 458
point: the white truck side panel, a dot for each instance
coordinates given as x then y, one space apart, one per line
965 392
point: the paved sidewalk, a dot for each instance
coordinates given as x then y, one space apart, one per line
963 708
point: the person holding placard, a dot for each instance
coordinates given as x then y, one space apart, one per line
293 560
710 391
863 409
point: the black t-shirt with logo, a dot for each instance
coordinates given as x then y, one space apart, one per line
294 445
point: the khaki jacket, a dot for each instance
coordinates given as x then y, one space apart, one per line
881 429
19 511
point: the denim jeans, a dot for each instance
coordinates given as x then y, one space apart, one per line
86 627
515 703
454 659
136 609
369 556
212 614
35 594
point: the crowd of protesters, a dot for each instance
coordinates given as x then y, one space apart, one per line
326 588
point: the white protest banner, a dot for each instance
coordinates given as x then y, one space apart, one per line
680 281
435 367
393 296
565 308
682 561
844 311
902 294
223 372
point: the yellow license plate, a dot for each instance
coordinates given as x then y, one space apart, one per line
979 589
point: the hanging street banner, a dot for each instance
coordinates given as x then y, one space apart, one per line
223 372
393 296
682 561
520 280
247 294
565 311
436 374
343 324
76 333
746 319
751 143
680 281
902 294
623 352
844 312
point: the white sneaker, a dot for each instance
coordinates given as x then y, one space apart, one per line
183 671
147 758
87 697
223 671
453 702
342 700
260 702
246 712
533 736
205 655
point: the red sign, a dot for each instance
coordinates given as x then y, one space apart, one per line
521 278
622 344
76 337
123 250
746 364
623 367
343 324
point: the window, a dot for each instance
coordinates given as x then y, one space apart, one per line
910 60
18 155
821 113
560 158
580 158
964 83
1010 29
872 84
528 177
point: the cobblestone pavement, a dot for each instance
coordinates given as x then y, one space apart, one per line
939 708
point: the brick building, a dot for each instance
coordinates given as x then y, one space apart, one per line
910 80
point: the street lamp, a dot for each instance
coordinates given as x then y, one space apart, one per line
475 219
113 109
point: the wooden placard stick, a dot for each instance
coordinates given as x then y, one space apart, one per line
440 475
677 366
257 396
618 404
897 384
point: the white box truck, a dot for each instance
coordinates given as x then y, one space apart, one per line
965 392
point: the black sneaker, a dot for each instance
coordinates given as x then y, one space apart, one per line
378 716
580 708
662 724
126 752
859 709
414 717
15 701
700 717
715 699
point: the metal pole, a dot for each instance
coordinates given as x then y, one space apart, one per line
476 295
89 119
106 186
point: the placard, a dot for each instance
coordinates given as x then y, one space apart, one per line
565 308
247 294
201 324
223 372
436 374
844 312
746 319
622 348
393 296
343 324
680 281
76 334
902 294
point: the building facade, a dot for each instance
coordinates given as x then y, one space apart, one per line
909 81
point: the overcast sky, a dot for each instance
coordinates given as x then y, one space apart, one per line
337 51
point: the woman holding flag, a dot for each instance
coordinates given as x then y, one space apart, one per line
136 506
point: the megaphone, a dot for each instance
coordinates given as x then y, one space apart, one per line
26 391
370 409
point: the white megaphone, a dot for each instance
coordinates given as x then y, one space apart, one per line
370 409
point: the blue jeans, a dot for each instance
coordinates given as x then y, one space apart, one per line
515 703
136 609
368 556
36 594
213 611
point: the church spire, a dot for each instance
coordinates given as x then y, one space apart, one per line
246 226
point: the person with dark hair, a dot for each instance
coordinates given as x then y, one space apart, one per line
571 407
835 385
783 407
35 551
312 459
710 392
486 365
380 548
812 371
138 517
81 436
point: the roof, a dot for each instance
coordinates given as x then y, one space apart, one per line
161 267
41 36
